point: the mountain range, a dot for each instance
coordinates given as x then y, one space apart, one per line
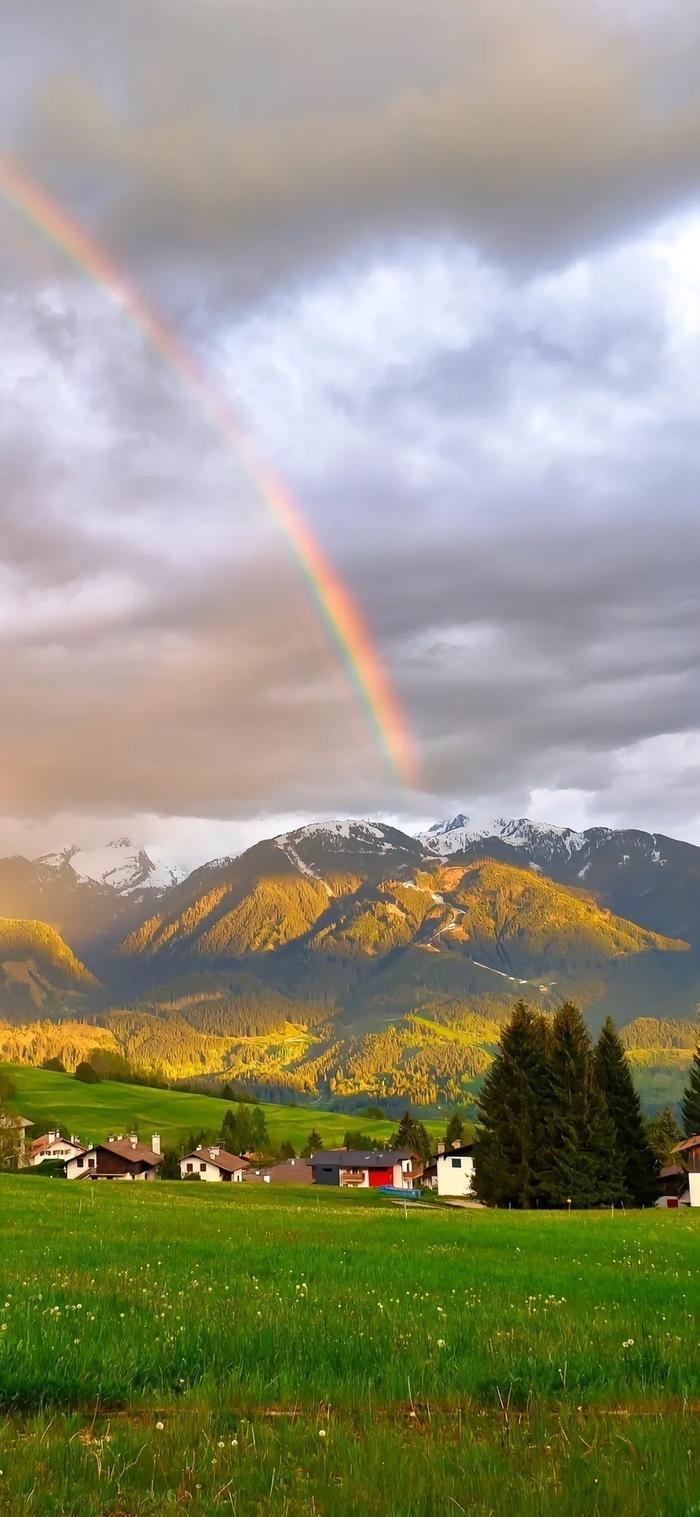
351 960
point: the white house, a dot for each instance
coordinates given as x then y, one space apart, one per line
454 1170
52 1146
212 1164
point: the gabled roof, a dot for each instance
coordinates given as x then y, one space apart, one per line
458 1151
356 1158
230 1163
39 1144
687 1144
137 1153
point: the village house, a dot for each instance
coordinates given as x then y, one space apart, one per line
357 1170
117 1159
451 1172
288 1172
689 1156
212 1164
52 1147
673 1185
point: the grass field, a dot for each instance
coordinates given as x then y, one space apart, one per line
95 1111
204 1349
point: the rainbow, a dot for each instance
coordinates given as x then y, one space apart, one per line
338 613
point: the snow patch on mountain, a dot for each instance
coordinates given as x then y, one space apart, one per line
120 864
290 853
365 836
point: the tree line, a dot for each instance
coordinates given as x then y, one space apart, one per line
561 1122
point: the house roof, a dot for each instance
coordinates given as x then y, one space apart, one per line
292 1172
134 1152
39 1144
687 1144
457 1151
287 1172
357 1158
668 1170
223 1160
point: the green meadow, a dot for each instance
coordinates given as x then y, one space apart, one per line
203 1349
96 1111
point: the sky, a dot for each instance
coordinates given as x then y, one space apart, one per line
445 270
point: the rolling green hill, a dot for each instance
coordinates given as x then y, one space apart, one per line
95 1111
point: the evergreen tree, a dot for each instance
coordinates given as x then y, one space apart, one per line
56 1065
228 1137
170 1168
634 1150
581 1163
356 1139
508 1148
454 1132
411 1134
259 1137
663 1133
690 1104
313 1144
227 1092
287 1150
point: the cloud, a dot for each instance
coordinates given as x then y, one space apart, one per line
265 139
445 273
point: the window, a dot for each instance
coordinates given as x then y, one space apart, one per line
456 1163
202 1167
81 1163
92 1163
189 1169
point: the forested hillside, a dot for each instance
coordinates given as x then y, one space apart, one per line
349 959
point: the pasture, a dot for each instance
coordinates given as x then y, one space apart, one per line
204 1348
96 1111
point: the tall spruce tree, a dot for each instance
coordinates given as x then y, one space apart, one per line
581 1164
509 1141
634 1150
690 1105
663 1133
411 1134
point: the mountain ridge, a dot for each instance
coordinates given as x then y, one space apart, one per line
349 957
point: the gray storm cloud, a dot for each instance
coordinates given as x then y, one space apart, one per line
445 270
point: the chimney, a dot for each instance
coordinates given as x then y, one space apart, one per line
214 1152
155 1142
52 1136
133 1139
441 1147
457 1144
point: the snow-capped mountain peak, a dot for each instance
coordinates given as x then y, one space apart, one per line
336 836
121 865
460 832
